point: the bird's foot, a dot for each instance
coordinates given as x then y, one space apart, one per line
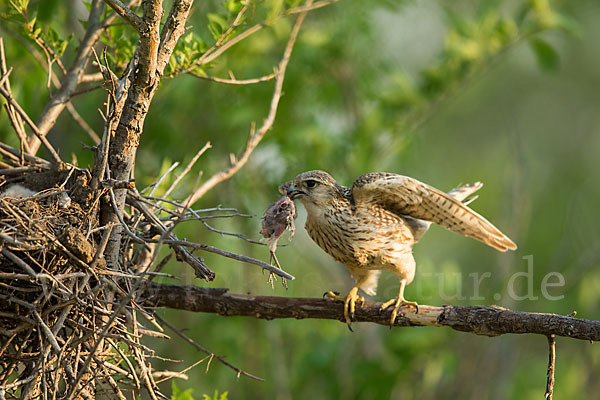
350 306
335 296
349 301
397 303
272 278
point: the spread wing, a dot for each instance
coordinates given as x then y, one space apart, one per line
409 197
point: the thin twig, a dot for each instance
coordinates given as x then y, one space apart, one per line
100 252
200 268
222 39
17 260
551 366
237 235
15 120
204 350
238 257
125 12
156 184
133 236
48 333
187 169
32 125
234 81
40 162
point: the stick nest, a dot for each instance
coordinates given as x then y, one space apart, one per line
68 325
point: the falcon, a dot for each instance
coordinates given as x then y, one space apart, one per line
373 225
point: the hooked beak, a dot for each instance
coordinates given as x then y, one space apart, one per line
293 193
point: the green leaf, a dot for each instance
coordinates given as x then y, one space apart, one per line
216 396
217 24
52 35
20 5
547 57
179 395
36 29
233 6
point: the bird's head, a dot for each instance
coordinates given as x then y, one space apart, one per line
316 188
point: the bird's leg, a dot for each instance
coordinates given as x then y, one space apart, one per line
399 302
271 274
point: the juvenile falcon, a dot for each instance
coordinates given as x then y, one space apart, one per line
374 224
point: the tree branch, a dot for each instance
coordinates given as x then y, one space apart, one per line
151 56
173 29
481 320
125 12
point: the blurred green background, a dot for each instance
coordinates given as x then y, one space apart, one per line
448 92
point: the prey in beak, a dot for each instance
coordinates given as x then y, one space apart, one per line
290 190
293 193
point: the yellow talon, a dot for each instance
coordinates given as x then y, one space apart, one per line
399 302
350 302
335 296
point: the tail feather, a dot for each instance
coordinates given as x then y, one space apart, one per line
461 193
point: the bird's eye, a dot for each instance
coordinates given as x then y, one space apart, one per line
311 183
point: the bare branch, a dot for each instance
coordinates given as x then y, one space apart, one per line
186 170
256 137
481 320
234 81
310 7
211 56
183 254
156 184
40 162
125 12
32 125
216 48
239 257
15 119
173 29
